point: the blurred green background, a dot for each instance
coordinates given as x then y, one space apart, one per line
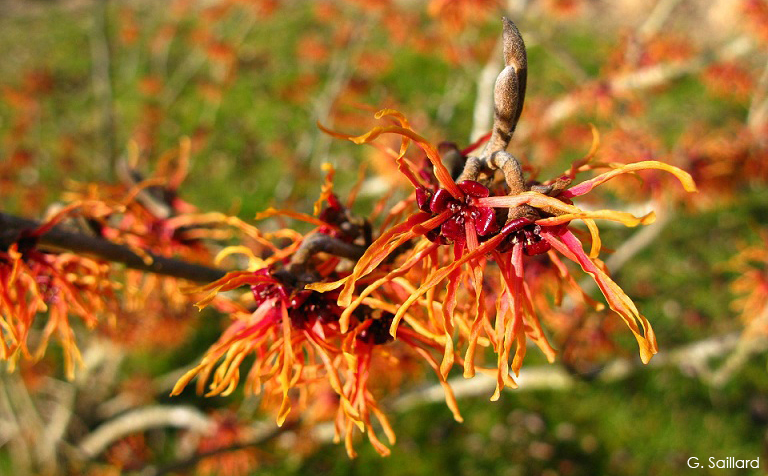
81 82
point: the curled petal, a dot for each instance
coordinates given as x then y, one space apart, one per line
485 222
272 212
564 211
326 190
416 225
438 275
617 299
584 187
626 219
441 172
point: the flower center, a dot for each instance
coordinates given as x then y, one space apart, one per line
453 229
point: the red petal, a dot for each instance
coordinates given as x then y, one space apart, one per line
474 189
423 197
440 201
485 221
516 225
453 228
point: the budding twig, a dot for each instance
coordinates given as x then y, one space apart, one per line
509 96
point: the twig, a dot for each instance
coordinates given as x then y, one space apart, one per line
639 241
195 61
747 346
569 63
658 16
313 145
143 419
60 239
641 79
481 117
456 89
16 412
757 117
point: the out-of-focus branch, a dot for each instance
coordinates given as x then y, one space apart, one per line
143 419
641 79
757 117
753 341
481 115
692 359
658 16
641 239
60 239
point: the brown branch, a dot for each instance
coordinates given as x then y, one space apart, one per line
140 420
58 239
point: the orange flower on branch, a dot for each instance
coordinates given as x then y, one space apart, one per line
490 210
295 333
60 284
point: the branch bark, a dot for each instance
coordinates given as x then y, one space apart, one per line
59 239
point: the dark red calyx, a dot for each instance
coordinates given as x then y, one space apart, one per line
441 200
333 201
266 290
474 189
453 228
299 298
485 221
532 248
423 197
523 230
307 307
434 235
377 333
515 225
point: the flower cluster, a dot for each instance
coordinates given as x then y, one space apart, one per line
476 260
468 224
296 334
59 284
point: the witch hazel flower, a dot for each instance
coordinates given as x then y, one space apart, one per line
295 334
490 213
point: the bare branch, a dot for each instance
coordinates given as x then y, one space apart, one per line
481 120
60 239
143 419
658 16
640 79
